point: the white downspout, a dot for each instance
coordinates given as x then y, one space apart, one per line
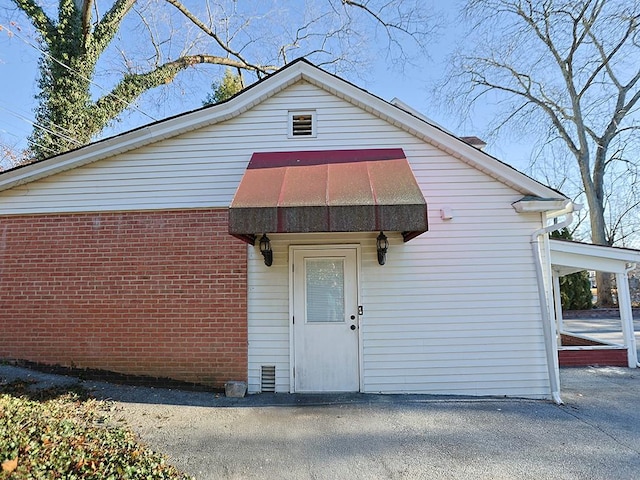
548 325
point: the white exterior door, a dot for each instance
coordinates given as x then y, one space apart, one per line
325 323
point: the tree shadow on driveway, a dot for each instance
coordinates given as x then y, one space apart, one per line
596 434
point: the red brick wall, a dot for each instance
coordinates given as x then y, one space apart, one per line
162 294
572 341
586 358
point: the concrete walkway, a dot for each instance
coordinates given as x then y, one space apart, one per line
595 435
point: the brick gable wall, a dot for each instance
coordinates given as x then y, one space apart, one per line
161 294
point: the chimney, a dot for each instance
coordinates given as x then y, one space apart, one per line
474 142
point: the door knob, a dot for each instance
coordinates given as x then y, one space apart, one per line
353 327
353 317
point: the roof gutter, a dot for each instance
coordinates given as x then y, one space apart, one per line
548 322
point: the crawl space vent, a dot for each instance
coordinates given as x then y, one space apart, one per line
268 379
302 125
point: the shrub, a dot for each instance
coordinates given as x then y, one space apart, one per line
61 433
575 288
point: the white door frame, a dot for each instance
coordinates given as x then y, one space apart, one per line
292 250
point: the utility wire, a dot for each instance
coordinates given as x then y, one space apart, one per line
57 127
68 136
36 125
47 54
28 140
26 118
31 142
3 131
50 150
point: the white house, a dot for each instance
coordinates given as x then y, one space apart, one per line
303 236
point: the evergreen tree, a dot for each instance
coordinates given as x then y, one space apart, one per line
224 89
575 288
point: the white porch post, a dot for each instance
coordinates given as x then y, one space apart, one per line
557 299
626 316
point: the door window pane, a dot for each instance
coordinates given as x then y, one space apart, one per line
325 289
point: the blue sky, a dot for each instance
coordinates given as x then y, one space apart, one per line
413 85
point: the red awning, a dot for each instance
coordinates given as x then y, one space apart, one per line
328 191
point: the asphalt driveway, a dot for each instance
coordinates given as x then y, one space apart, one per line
596 434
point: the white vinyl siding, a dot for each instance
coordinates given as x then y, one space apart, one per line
436 320
202 168
453 311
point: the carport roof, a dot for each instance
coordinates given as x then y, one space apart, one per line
569 257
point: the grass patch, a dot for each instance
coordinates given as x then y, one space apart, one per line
64 433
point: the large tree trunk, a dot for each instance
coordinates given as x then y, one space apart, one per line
62 109
604 280
604 285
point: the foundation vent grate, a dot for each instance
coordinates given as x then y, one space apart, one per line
268 378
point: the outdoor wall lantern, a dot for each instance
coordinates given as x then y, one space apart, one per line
382 244
265 249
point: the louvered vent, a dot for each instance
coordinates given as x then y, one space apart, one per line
268 379
302 125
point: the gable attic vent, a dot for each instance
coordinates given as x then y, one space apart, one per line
302 124
268 379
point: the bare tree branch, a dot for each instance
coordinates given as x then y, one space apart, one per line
107 28
133 85
38 18
550 109
152 37
387 25
86 18
225 46
607 58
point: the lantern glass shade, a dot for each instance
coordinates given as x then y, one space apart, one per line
382 244
265 249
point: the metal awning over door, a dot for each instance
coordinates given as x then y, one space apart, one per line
328 191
